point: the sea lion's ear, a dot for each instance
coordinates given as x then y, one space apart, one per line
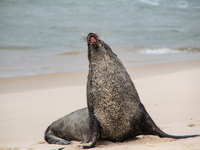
106 46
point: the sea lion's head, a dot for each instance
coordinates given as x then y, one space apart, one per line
97 48
93 41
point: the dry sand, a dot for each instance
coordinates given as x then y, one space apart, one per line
170 92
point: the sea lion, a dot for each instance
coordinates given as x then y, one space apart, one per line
114 110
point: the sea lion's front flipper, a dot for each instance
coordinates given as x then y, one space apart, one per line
93 133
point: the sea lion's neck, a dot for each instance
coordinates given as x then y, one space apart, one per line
99 60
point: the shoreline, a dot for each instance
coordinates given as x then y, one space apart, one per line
59 63
75 78
169 92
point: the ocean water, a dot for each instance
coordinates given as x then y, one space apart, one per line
48 36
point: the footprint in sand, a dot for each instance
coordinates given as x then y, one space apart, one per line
193 125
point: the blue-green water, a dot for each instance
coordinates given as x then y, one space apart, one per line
48 36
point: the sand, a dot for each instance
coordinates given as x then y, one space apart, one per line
169 91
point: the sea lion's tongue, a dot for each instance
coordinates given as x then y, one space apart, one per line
92 39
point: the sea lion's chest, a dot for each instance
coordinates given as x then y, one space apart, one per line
117 118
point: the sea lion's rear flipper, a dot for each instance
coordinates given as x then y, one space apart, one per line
150 128
51 138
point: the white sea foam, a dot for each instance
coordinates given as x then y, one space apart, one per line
160 51
150 2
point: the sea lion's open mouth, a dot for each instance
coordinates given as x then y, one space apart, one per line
92 38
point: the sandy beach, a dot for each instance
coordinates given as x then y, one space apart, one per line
169 91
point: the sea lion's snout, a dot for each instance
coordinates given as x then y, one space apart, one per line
92 38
